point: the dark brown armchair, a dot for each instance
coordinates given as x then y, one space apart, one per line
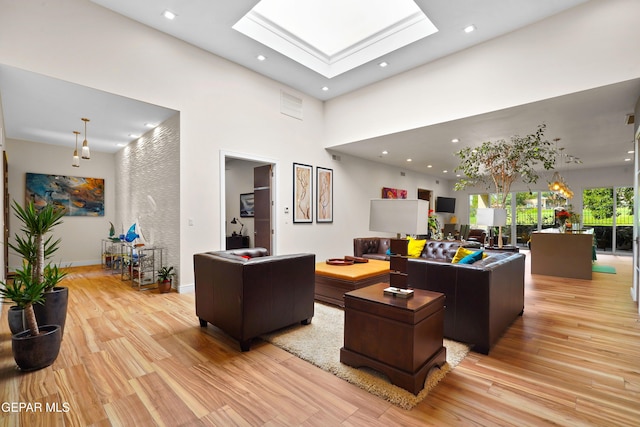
477 235
250 297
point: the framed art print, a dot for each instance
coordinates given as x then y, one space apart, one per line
324 195
302 188
246 205
78 196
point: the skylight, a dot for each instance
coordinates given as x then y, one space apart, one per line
335 36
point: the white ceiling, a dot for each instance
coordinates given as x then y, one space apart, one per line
591 124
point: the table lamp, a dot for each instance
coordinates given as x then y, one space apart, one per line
400 216
492 217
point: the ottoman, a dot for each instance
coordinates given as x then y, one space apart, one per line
333 281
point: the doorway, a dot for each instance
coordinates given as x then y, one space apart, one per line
237 172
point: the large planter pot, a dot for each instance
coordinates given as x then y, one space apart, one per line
54 309
37 352
17 322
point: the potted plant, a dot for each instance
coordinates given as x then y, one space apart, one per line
501 163
164 279
38 346
35 249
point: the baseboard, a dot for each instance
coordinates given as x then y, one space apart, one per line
188 288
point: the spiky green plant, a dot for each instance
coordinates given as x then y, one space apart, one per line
35 224
24 291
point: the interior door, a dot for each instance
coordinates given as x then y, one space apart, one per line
263 231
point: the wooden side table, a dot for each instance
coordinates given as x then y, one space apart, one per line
402 338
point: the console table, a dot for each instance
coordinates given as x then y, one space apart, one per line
402 338
237 242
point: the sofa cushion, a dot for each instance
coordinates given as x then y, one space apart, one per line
415 247
470 259
463 252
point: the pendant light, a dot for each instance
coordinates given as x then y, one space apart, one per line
76 160
85 145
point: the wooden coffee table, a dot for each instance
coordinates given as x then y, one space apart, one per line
402 338
333 281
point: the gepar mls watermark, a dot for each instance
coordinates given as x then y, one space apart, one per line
34 407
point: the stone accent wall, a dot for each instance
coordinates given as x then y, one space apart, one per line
148 189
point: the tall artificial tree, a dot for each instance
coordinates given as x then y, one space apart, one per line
499 164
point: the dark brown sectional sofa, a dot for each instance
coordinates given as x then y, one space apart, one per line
250 297
482 299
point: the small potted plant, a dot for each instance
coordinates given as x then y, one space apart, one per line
164 279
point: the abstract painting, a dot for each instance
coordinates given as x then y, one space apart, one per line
393 193
78 196
324 195
302 187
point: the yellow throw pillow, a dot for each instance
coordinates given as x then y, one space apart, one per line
463 252
415 247
460 253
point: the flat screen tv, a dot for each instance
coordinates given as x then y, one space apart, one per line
446 204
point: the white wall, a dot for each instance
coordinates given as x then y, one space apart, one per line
224 106
593 45
81 235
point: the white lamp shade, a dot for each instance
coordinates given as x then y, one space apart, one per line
492 217
407 216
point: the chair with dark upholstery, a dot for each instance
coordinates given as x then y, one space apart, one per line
477 235
464 231
247 293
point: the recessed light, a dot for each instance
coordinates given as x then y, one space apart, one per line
133 135
429 166
383 64
261 57
445 171
122 144
325 88
385 152
454 140
150 125
458 175
409 160
627 160
469 28
630 152
169 15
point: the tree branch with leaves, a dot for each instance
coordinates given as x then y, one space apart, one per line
499 164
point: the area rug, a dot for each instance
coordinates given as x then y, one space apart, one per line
319 343
603 269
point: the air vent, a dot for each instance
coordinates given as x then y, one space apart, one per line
290 105
336 157
403 174
630 119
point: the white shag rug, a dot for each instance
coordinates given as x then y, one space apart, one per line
319 343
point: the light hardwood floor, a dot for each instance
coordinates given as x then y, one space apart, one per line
140 358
